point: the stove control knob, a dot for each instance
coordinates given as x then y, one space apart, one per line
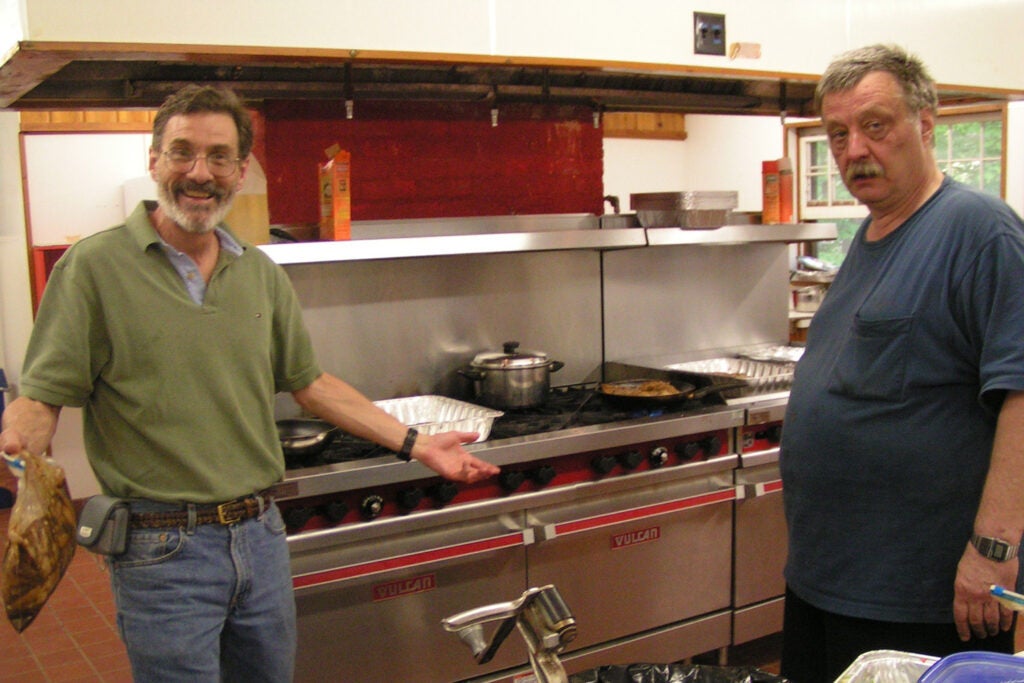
631 459
603 464
687 451
443 492
510 480
296 518
658 456
409 498
371 506
543 475
336 510
711 445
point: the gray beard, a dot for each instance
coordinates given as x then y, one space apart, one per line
184 220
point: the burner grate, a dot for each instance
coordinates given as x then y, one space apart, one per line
568 406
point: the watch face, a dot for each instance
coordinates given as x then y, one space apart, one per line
993 548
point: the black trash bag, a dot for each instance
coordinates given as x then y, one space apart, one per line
675 673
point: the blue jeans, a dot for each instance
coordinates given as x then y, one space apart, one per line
207 604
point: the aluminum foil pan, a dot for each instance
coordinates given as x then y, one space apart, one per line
887 666
761 376
433 414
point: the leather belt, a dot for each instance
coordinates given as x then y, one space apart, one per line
228 513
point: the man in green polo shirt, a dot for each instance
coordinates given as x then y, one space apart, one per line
173 337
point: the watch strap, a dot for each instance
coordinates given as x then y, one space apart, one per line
994 548
405 452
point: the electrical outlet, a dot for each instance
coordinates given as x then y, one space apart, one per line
708 34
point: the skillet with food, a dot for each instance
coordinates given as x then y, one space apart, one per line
658 391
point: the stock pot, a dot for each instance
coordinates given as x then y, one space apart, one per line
511 378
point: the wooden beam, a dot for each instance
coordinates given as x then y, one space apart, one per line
644 125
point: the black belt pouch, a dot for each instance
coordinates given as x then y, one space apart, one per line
103 525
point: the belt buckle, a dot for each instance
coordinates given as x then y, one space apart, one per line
225 515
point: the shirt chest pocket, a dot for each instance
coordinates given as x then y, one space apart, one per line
872 362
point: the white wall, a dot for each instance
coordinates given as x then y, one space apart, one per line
972 42
1015 157
65 203
719 153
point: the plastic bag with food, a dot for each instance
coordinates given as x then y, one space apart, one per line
40 541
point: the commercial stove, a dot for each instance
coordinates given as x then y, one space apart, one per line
629 511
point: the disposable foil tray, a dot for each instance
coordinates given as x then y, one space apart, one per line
433 414
760 376
889 666
696 210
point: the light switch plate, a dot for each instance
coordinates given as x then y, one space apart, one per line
708 34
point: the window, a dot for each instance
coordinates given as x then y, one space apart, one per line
971 151
969 147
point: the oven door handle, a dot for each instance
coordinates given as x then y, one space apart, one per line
763 488
547 532
411 560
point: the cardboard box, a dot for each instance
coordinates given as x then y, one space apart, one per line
777 191
336 196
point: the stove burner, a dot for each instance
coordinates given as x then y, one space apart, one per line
565 407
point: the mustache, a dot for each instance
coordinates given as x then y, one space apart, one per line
862 169
210 188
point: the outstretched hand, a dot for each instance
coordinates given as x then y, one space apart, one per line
444 454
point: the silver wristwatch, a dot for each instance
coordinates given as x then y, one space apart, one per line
994 548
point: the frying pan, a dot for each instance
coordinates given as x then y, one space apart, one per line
303 438
618 391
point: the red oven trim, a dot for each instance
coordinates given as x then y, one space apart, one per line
644 512
406 561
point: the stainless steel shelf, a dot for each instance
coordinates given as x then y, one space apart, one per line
742 234
452 237
452 245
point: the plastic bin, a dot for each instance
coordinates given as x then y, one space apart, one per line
975 667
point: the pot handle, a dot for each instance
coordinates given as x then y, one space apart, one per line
471 373
556 365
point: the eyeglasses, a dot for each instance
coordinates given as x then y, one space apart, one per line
219 164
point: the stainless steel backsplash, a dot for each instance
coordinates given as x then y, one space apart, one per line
402 327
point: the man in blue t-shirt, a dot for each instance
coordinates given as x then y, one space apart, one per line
903 454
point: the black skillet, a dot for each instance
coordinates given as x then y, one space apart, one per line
618 392
303 439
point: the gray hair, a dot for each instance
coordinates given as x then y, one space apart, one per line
847 70
197 99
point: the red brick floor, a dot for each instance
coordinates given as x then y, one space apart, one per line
74 639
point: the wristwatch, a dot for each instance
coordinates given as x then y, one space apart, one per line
994 548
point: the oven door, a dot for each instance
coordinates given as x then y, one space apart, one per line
652 552
371 598
761 547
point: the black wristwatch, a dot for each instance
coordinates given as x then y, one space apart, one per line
994 548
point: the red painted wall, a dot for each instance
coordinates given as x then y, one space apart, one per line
429 160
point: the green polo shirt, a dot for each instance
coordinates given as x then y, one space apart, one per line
177 397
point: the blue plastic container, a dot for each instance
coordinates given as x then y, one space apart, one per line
975 667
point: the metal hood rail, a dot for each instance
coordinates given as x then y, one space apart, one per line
62 75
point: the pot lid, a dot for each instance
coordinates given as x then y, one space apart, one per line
510 357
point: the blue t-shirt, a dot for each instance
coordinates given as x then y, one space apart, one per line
893 408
